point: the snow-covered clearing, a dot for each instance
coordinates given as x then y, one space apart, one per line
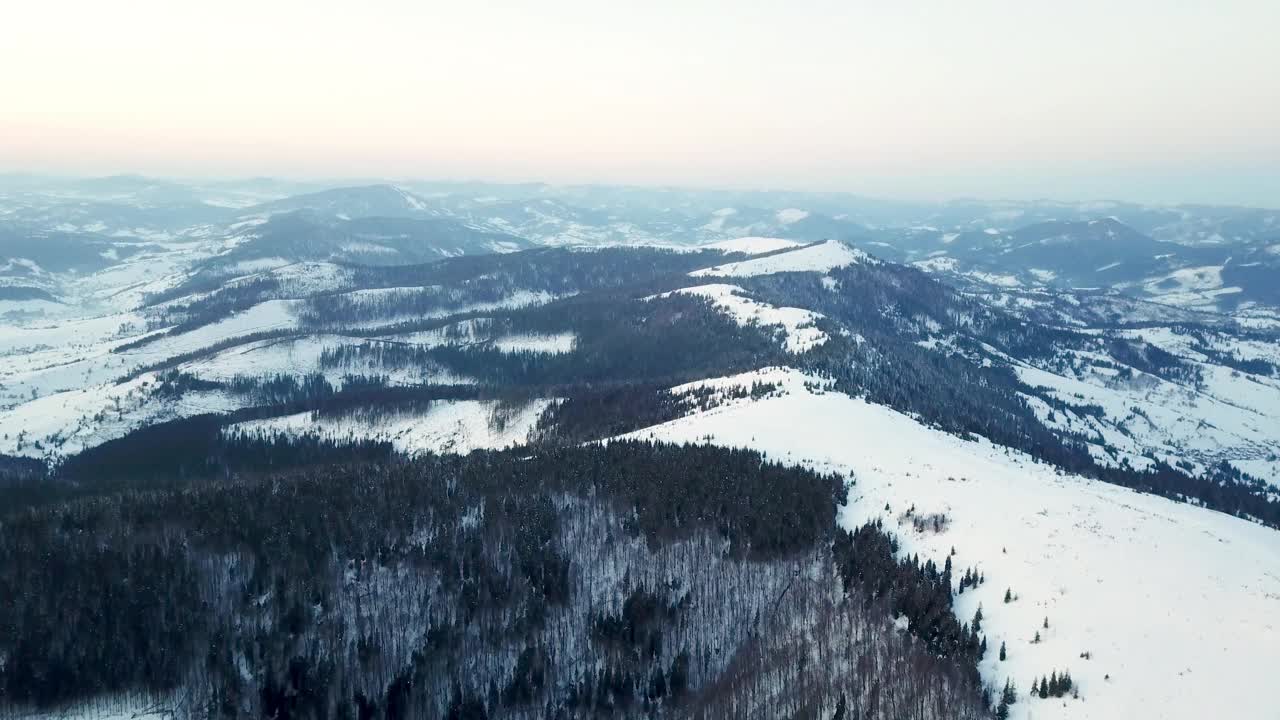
997 279
797 325
301 356
515 300
1191 287
471 330
457 426
822 257
938 264
68 422
266 358
555 344
753 245
1178 607
269 316
65 334
40 359
1230 416
303 279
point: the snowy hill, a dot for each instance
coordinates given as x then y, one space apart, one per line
458 426
819 258
754 245
1160 596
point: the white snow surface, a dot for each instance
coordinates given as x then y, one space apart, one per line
269 316
68 422
1230 416
453 426
555 344
997 279
1178 606
517 299
938 264
796 324
822 257
1191 287
753 245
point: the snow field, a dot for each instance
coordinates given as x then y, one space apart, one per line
752 245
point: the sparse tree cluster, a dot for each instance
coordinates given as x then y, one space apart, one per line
1055 685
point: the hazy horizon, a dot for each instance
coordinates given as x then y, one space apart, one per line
317 184
1141 100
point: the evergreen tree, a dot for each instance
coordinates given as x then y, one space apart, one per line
1002 652
1008 696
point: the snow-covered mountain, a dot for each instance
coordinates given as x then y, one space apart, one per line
1144 601
1096 254
1080 403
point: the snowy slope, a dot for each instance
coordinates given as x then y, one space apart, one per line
68 422
821 258
301 356
60 381
457 426
1177 606
513 300
754 245
795 324
553 344
1230 415
267 316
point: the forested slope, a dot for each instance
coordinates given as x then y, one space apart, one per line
625 580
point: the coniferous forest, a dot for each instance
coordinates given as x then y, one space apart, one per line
293 579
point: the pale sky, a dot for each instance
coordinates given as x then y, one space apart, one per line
1150 100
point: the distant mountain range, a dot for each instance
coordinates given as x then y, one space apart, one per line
1204 257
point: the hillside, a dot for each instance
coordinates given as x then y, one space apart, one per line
1157 594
